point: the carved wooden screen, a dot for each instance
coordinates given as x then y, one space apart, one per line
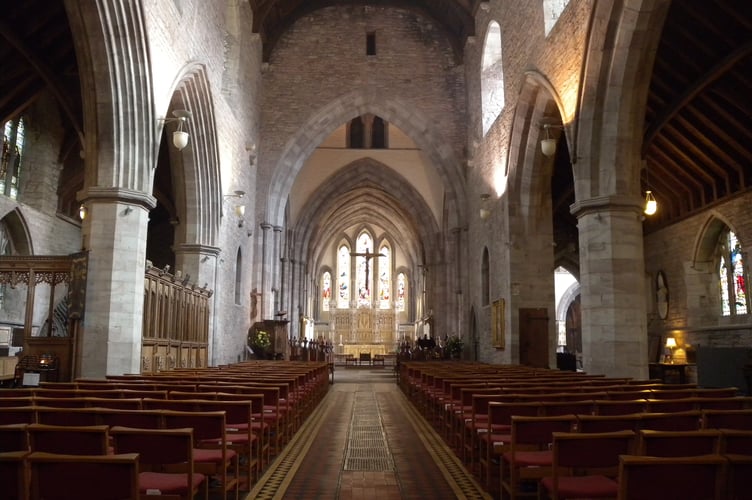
175 323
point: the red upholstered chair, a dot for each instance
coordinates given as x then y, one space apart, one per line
212 455
14 481
69 440
675 478
586 465
530 457
83 477
13 437
165 461
679 443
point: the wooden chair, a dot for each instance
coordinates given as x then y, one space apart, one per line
212 455
679 443
661 478
18 415
587 465
671 405
497 436
736 441
529 457
69 440
727 419
13 437
139 419
14 481
83 477
679 421
66 416
619 407
739 472
608 423
165 461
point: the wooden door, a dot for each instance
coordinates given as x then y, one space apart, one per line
534 337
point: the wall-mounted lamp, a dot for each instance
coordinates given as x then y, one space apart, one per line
651 206
236 194
251 154
82 211
179 137
548 144
485 213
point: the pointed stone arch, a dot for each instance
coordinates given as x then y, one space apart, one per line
410 120
18 231
196 168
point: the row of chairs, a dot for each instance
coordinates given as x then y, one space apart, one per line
546 459
202 439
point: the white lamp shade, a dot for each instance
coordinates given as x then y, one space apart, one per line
240 210
670 342
651 206
180 139
548 147
485 213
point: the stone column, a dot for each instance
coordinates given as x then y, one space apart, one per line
277 256
612 271
266 271
114 234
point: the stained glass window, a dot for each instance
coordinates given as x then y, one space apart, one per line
401 292
364 281
10 162
343 282
732 277
326 291
385 278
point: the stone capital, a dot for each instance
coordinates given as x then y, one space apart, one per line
606 204
117 195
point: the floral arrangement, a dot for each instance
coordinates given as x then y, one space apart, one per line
261 343
454 346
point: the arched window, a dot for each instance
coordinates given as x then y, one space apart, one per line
732 277
356 134
326 291
552 9
343 280
378 133
491 77
485 282
364 273
238 277
10 162
385 278
401 301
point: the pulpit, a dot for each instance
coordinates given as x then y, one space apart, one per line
276 331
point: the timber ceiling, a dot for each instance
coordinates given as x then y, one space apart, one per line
698 121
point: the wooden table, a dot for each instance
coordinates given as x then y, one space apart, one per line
667 371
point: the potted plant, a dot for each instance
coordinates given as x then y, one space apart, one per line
261 344
454 347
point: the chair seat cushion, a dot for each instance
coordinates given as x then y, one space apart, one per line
530 458
583 486
211 455
168 483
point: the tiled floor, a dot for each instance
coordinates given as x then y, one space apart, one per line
365 441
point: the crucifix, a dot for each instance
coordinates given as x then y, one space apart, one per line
368 256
